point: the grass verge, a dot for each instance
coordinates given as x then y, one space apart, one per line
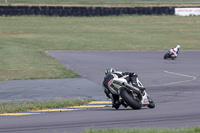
13 107
162 130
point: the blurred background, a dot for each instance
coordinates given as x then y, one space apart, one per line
103 2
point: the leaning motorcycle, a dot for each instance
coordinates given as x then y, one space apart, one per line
132 93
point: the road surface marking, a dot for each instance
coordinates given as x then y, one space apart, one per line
17 114
182 75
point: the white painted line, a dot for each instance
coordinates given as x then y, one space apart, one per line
172 83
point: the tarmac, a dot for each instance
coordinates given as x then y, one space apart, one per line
49 89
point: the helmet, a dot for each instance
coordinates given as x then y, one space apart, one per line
178 46
109 70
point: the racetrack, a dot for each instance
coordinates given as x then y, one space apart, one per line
174 85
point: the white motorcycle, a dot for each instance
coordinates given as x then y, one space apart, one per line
170 54
133 93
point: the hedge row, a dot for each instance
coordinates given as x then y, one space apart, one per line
82 11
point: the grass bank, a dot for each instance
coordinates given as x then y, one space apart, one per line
23 40
162 130
13 107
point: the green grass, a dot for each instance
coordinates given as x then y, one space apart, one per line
181 130
10 107
23 40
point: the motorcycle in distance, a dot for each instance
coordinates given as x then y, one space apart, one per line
133 93
173 52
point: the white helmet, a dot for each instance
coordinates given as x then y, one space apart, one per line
178 46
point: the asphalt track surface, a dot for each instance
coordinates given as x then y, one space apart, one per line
174 85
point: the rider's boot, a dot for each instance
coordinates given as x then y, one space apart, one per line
115 101
124 104
116 104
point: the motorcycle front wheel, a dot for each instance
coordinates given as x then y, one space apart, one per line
129 99
151 103
166 56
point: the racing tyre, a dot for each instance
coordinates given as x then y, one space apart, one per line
166 56
151 103
129 99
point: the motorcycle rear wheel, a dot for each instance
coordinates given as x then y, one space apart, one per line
129 99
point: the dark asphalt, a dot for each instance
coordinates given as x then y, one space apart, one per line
173 84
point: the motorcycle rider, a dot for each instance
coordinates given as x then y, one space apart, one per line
175 51
110 74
